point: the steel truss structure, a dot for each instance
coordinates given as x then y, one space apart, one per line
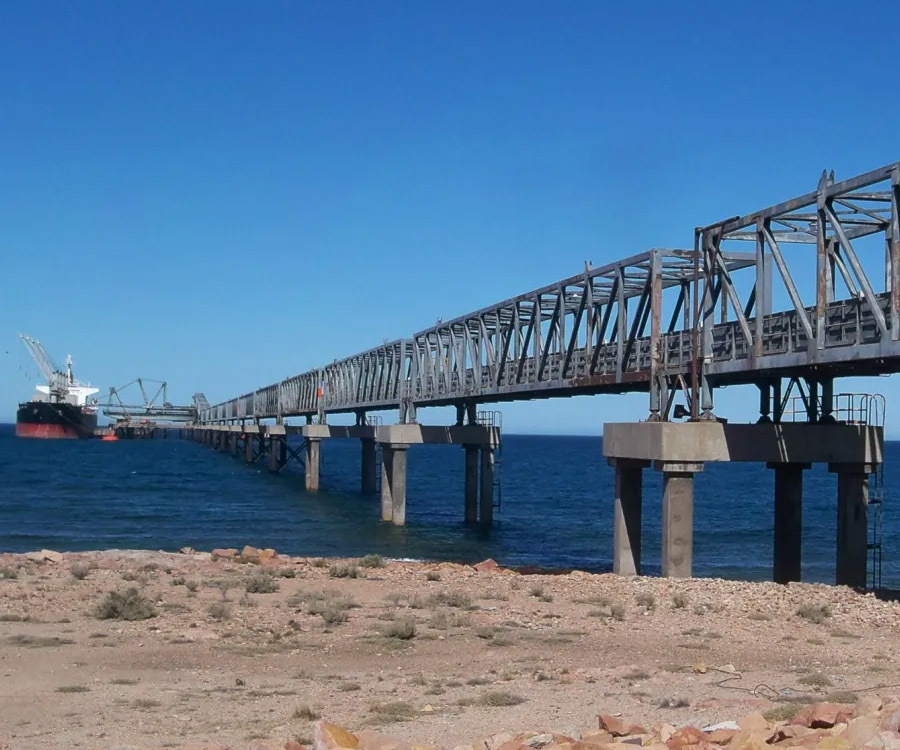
665 321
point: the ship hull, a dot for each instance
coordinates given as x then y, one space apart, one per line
42 419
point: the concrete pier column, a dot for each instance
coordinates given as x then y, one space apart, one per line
248 448
627 515
852 522
788 521
312 464
678 517
233 443
393 483
368 477
276 451
486 509
471 483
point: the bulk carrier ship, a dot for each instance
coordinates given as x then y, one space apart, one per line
62 408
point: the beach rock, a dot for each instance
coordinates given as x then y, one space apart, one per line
598 736
227 553
267 554
187 550
45 555
867 705
822 715
749 741
486 566
332 737
753 722
618 727
861 730
890 719
250 554
369 740
685 737
884 741
721 736
291 745
496 741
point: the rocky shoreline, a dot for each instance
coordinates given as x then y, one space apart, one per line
248 648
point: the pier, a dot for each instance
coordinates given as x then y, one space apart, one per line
675 324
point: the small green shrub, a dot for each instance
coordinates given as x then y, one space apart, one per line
372 561
306 711
785 712
344 570
219 611
80 571
402 628
815 679
179 581
9 574
127 605
815 613
646 599
458 599
432 576
393 711
495 699
73 689
192 586
261 583
334 615
680 600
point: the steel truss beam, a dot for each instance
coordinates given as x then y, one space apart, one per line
602 330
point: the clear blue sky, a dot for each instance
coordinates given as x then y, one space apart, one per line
222 194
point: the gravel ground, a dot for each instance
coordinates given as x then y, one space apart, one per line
431 651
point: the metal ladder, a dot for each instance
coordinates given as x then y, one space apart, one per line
866 409
495 419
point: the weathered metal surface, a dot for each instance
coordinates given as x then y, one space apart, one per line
649 322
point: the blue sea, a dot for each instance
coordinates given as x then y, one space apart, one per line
556 506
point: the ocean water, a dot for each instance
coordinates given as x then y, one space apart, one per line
556 506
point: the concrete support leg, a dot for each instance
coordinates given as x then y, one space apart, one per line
233 443
393 483
248 449
627 515
678 518
852 523
788 521
487 486
471 483
312 464
277 452
369 466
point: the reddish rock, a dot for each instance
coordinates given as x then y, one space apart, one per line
369 740
224 554
721 736
267 554
250 554
618 727
597 737
861 730
486 566
822 715
754 722
685 737
291 745
332 737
